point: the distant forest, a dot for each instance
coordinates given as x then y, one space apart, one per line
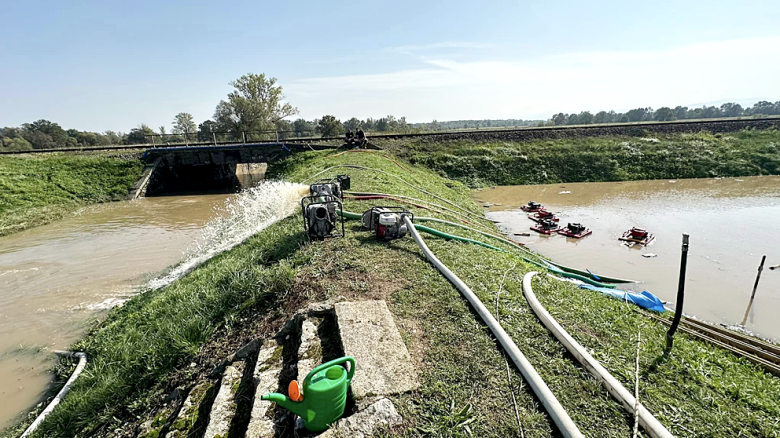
230 124
666 113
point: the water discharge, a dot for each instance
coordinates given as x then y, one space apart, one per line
732 223
250 212
55 279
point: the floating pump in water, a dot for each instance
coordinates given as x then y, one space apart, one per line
322 215
386 223
333 186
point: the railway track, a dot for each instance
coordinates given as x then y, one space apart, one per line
717 125
759 352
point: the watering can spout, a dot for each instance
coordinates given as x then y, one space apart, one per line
297 408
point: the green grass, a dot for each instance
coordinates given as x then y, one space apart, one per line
35 190
698 391
608 158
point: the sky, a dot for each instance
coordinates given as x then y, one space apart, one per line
111 65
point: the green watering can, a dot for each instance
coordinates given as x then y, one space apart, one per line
324 395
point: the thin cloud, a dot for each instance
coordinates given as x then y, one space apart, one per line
417 48
444 88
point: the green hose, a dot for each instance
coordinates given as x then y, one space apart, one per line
551 268
438 233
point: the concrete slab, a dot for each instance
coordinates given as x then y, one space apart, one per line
362 424
310 350
224 408
368 333
188 414
266 377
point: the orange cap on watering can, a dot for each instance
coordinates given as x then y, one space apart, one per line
294 391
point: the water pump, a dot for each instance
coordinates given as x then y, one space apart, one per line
333 186
386 223
321 217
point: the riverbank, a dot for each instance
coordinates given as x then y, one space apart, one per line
179 335
600 158
35 190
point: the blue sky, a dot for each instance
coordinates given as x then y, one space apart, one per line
112 65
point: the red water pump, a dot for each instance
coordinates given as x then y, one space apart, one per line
387 223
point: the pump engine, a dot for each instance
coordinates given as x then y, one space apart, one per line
321 217
334 186
386 223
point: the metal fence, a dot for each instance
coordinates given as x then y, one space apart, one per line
224 137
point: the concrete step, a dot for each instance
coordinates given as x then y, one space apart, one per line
310 350
266 378
224 408
187 417
364 330
369 334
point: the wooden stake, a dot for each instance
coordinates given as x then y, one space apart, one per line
755 286
636 385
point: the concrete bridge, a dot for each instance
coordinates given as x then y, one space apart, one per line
210 168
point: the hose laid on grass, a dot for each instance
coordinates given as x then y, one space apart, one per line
420 189
551 268
568 272
404 201
652 426
58 398
551 404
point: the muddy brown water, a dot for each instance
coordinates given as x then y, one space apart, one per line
732 223
57 278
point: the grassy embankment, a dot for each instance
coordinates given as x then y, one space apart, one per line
608 158
35 190
146 349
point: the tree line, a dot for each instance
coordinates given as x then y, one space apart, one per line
256 111
666 113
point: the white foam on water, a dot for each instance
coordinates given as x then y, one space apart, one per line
248 213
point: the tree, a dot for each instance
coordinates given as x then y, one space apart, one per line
572 119
352 124
638 114
184 124
664 114
113 137
162 130
139 135
585 118
681 112
765 108
15 144
559 119
711 112
730 109
205 130
302 128
601 117
330 126
254 105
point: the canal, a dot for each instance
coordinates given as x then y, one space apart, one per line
732 223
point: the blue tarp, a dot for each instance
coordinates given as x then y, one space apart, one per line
645 300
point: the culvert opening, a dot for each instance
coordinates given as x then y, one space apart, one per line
174 180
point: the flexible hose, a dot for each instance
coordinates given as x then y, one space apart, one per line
438 233
551 404
651 425
420 189
58 398
404 201
551 268
458 214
